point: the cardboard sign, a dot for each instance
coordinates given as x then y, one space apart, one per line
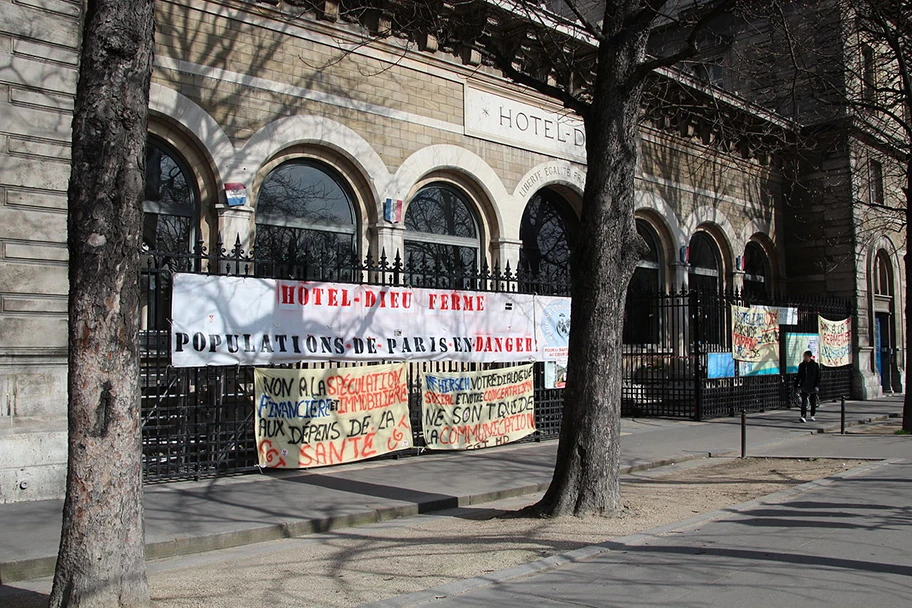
313 418
471 410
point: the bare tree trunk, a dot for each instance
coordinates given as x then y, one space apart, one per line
586 475
102 559
907 259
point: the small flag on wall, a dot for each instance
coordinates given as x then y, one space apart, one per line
392 211
235 194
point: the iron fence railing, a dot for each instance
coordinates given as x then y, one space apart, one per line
199 421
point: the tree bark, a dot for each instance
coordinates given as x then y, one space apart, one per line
586 475
101 561
907 260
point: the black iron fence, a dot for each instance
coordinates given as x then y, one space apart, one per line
199 421
671 338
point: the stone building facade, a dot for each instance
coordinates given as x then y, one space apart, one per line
249 98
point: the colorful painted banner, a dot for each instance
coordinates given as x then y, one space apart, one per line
317 417
795 347
835 342
755 333
220 320
471 410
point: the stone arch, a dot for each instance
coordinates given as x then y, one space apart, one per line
716 224
656 209
178 111
464 169
564 177
315 132
763 239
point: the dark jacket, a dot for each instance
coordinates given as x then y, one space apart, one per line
808 379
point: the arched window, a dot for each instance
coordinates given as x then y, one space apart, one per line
441 231
756 272
170 204
883 281
647 278
547 231
705 264
305 209
642 321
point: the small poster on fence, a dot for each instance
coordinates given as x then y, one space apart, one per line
795 347
472 410
556 374
317 417
835 342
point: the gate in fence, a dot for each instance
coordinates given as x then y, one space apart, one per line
199 421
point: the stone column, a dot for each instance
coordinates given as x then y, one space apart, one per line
737 280
679 272
506 251
388 238
235 223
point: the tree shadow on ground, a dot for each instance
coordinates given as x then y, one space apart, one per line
17 597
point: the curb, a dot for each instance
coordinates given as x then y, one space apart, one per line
41 567
457 588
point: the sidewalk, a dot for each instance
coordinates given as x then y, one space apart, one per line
842 541
190 517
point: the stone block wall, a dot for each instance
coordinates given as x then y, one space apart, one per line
39 46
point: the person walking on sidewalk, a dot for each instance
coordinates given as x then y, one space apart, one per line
808 383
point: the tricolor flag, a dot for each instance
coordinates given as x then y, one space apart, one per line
392 211
235 194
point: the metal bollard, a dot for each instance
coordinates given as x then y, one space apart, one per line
743 433
842 417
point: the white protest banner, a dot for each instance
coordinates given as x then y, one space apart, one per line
220 320
313 418
552 326
471 410
755 333
835 342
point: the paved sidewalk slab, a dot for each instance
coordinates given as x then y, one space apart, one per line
190 517
840 542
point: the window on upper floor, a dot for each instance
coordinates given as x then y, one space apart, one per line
868 74
876 182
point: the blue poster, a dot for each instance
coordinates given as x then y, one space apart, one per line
760 368
720 365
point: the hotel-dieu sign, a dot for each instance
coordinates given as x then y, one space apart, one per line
504 120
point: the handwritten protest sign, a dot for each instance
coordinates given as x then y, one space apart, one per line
835 342
318 417
755 333
471 410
